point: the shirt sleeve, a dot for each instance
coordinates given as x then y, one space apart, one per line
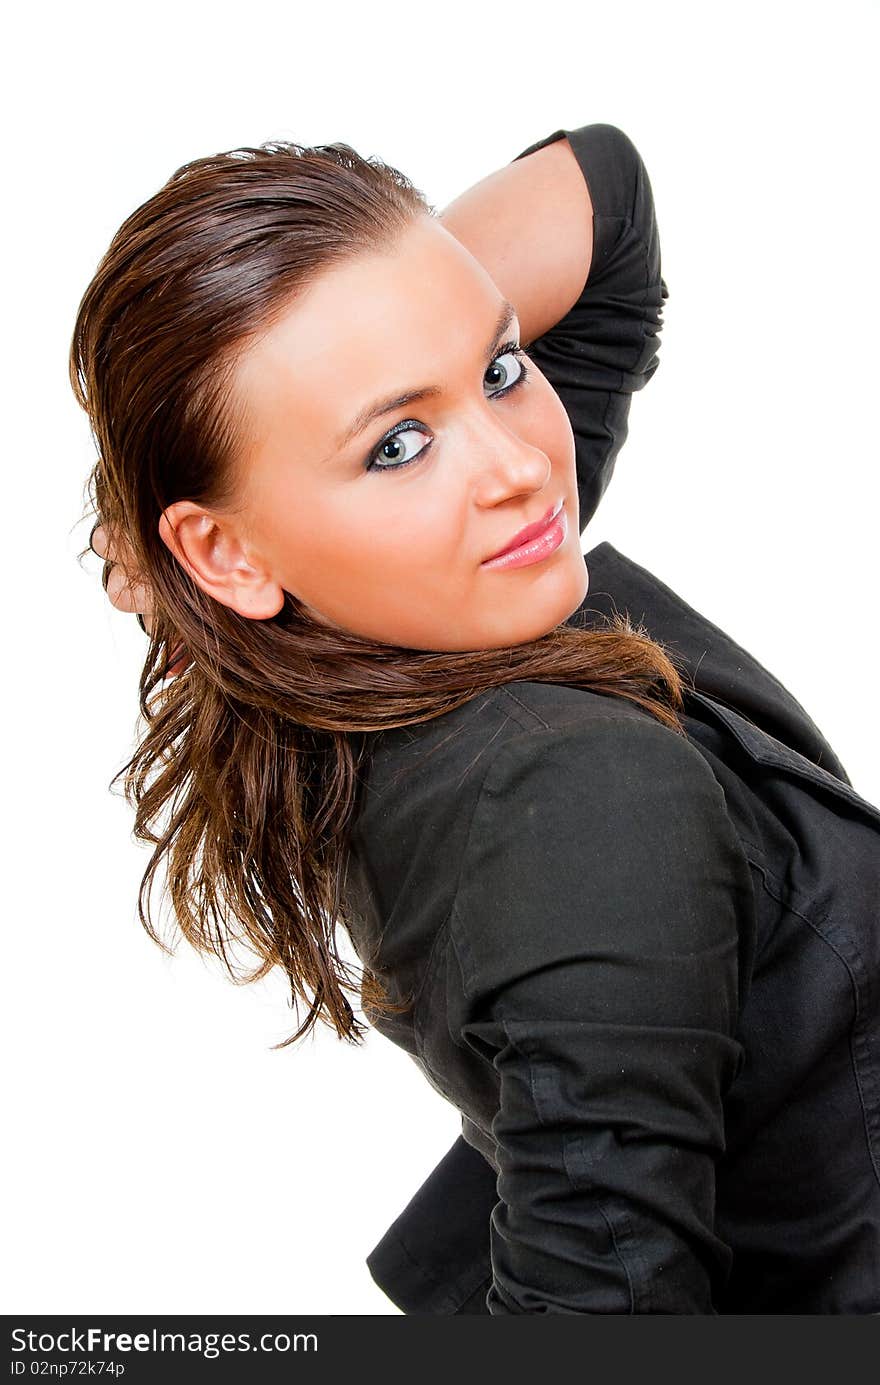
606 346
603 912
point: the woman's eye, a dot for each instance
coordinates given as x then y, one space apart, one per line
394 452
511 372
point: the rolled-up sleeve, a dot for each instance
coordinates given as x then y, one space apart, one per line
606 346
603 909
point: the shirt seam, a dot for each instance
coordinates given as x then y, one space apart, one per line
819 927
452 1295
731 644
600 1204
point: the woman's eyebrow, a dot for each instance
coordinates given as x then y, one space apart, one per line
390 403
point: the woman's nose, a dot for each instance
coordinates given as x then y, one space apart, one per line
507 464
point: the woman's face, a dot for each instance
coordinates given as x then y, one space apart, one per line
379 516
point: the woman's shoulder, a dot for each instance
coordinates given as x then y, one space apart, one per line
594 824
531 730
606 746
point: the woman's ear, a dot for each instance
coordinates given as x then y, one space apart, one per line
213 554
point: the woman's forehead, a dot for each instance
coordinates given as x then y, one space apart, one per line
379 323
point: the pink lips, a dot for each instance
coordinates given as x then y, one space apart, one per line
533 542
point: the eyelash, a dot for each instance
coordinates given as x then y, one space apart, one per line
510 348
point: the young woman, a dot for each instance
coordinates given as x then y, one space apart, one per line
610 886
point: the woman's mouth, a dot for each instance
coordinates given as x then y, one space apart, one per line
541 540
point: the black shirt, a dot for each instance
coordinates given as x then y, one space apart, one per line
644 966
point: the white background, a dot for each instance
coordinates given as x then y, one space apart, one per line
159 1157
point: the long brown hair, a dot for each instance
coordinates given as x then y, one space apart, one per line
247 775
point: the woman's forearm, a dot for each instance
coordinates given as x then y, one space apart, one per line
530 224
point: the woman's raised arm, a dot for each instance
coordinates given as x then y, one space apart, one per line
530 224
